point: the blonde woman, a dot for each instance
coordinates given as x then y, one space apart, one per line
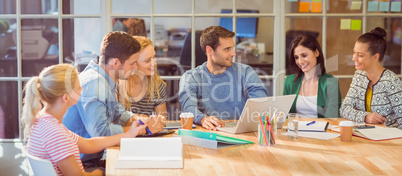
144 92
47 98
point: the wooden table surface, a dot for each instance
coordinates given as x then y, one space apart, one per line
302 156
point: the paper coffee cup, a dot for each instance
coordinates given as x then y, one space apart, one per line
186 119
346 130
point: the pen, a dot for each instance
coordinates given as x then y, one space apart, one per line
146 128
310 123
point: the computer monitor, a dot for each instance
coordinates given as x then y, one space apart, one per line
246 26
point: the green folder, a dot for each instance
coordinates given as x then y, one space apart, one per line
209 140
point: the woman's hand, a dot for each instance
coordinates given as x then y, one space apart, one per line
156 123
375 118
136 129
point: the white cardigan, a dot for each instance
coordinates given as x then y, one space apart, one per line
386 99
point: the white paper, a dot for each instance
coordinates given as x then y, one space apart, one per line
316 127
317 135
379 133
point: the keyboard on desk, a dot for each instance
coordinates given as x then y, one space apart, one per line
230 125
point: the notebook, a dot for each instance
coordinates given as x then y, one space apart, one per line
209 140
315 127
376 134
249 119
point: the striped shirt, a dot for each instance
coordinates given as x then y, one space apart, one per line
51 140
146 106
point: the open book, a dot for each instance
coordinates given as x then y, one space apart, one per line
375 134
209 140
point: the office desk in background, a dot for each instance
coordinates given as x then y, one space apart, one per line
171 64
303 156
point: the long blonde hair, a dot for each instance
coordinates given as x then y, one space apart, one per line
52 82
153 81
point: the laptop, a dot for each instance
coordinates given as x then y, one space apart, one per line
249 118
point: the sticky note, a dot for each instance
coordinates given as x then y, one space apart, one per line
356 5
292 0
356 25
384 6
304 7
345 24
372 6
316 7
396 6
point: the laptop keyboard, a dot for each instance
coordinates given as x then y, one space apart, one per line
230 125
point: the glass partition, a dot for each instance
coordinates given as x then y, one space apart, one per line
9 127
40 45
8 49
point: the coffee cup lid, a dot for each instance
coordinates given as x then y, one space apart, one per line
346 123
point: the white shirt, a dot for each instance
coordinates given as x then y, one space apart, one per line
306 106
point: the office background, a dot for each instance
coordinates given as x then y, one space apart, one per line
38 33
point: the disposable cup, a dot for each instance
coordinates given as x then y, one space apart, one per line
346 130
186 119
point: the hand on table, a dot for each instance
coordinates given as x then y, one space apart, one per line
375 118
211 122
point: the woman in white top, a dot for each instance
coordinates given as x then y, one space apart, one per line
317 93
47 98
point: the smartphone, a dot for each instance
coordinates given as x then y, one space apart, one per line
364 126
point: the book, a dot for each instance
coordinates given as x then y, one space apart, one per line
149 153
376 134
318 126
209 140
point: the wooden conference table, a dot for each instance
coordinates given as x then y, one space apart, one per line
302 156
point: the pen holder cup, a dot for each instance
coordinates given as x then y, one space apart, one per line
266 134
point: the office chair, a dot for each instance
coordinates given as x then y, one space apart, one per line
185 54
40 166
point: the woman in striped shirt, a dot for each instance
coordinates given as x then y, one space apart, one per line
47 98
144 92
